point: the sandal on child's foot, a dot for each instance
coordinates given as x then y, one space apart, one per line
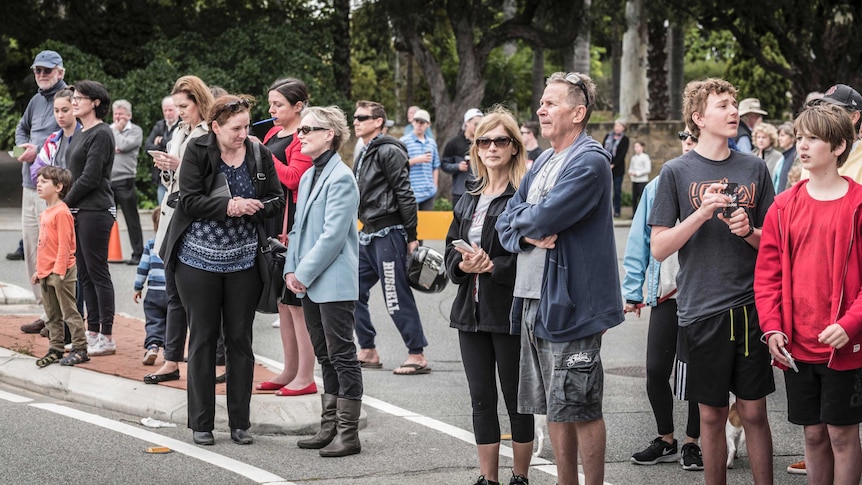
51 357
75 357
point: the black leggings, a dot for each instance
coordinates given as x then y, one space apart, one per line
661 351
93 231
484 354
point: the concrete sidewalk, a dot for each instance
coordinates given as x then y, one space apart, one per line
115 382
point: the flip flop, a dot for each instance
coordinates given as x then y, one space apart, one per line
269 386
370 365
417 369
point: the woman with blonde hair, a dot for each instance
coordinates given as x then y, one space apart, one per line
765 140
485 275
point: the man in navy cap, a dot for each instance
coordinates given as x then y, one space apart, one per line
37 123
849 99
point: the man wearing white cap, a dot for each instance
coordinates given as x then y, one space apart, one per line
34 128
456 154
750 115
424 161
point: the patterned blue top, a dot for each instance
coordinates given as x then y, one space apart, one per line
422 174
223 246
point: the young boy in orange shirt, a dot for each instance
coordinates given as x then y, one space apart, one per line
808 291
55 268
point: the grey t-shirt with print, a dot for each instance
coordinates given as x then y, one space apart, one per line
716 267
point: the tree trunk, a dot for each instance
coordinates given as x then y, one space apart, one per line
510 8
677 61
341 47
408 102
538 78
633 80
583 56
569 58
657 69
616 60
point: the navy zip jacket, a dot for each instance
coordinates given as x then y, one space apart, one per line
580 290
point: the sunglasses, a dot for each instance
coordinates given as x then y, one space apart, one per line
308 129
683 136
361 118
499 142
42 70
576 80
233 107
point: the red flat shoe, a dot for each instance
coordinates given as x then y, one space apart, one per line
309 389
269 386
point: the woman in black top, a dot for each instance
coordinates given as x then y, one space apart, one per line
485 277
90 159
212 247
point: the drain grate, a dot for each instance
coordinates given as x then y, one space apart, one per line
634 371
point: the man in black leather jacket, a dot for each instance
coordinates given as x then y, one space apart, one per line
387 210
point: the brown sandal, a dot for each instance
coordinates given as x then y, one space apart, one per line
50 358
75 357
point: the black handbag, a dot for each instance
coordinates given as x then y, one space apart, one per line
271 261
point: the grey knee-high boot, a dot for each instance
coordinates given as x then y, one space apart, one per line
346 441
328 404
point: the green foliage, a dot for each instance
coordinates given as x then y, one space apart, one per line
509 80
442 204
703 69
9 118
753 81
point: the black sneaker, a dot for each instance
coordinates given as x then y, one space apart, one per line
518 480
484 481
691 457
658 451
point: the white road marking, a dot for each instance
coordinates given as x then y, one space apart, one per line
251 472
8 396
539 464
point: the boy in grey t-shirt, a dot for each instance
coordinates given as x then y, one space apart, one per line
717 254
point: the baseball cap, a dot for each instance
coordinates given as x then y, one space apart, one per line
750 105
843 95
422 115
47 59
472 113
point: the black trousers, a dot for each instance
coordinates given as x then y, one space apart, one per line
210 299
330 326
486 355
660 354
126 199
177 325
92 233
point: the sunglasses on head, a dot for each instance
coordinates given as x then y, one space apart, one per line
42 70
576 80
684 135
499 142
233 107
308 129
361 118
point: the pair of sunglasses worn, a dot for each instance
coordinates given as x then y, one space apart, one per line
499 142
683 136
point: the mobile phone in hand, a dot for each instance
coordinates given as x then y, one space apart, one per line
156 153
731 191
460 243
269 199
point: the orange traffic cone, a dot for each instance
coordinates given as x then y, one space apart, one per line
115 250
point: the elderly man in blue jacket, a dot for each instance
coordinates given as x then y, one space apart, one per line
560 220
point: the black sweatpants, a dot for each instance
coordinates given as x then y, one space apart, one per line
92 233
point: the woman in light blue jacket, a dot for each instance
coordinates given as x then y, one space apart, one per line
662 334
322 268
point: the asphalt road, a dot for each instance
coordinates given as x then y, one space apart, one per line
419 427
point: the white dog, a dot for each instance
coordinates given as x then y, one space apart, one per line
734 432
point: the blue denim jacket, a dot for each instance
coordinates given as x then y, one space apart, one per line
638 260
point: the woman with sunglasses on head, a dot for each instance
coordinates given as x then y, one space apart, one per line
288 97
212 246
90 159
485 275
322 268
662 341
193 100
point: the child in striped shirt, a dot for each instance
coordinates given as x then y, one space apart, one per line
151 270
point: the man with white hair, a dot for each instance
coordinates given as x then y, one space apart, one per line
456 154
128 138
34 128
159 137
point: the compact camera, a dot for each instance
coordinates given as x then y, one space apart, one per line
731 191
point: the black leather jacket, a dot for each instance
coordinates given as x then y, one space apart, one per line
385 196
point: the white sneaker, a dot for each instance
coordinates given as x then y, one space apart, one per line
92 340
102 347
276 323
150 356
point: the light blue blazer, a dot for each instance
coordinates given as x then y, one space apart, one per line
323 248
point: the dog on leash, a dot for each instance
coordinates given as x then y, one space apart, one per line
734 432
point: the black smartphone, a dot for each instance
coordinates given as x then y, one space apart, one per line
269 199
730 191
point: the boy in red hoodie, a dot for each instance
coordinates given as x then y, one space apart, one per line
808 291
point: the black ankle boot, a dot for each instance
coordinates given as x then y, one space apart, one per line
346 441
328 404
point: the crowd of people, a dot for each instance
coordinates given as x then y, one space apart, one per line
531 250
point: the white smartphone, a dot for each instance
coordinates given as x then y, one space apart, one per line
156 153
460 243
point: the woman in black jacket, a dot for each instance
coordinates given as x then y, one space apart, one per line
228 186
485 275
